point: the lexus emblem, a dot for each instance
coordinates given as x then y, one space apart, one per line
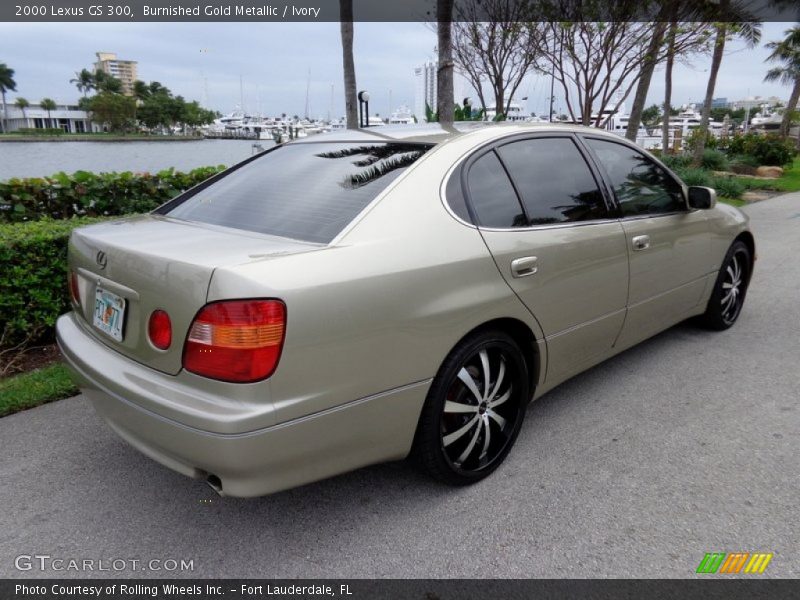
101 259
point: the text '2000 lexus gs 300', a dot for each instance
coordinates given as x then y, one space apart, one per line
363 296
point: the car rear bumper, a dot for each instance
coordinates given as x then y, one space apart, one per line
254 462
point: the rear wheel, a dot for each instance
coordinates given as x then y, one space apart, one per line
730 288
474 409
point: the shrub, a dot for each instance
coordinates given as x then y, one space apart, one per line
714 160
676 162
42 131
62 196
695 177
33 282
743 164
728 187
768 149
693 138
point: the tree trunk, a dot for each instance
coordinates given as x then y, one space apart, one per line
716 60
499 102
673 28
444 72
786 122
649 65
350 99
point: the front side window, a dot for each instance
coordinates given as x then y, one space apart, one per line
308 191
553 180
640 185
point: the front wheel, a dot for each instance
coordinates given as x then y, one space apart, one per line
727 299
474 409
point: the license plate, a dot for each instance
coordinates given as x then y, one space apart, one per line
109 313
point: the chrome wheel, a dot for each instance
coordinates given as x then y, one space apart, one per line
474 409
481 409
732 288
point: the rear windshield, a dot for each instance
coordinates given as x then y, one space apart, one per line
306 191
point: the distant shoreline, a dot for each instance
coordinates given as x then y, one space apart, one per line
11 138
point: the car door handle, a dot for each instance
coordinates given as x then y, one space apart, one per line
524 266
640 242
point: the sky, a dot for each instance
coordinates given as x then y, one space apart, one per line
274 63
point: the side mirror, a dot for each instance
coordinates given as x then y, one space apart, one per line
702 198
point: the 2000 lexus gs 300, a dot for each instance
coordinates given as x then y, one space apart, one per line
360 297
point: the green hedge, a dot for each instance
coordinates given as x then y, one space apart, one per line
33 278
63 196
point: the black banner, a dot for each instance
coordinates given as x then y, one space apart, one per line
421 589
129 11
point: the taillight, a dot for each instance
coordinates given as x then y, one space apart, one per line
159 328
74 290
236 340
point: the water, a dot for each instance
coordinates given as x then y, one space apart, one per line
36 159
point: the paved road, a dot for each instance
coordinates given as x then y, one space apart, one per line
687 444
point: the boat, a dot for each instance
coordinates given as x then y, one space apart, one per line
689 119
767 119
402 116
513 114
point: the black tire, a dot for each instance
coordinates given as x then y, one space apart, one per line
730 289
451 439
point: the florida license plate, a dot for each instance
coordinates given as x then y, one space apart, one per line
109 313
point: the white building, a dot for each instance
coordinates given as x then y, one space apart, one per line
67 117
425 90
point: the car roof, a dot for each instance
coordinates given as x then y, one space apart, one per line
434 133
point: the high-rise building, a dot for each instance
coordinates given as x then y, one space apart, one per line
426 90
124 70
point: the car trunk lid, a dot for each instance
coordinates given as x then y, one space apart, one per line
154 262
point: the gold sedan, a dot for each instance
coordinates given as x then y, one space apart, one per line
363 296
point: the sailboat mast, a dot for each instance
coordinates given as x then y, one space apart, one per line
308 87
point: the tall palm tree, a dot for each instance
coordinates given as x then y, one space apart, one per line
750 32
110 84
7 84
84 81
787 51
140 90
48 104
346 25
21 103
444 71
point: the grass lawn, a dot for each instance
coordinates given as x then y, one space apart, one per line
732 201
34 388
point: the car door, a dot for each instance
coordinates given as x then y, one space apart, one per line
668 244
542 214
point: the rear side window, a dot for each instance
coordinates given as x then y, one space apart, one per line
307 191
491 194
553 180
640 185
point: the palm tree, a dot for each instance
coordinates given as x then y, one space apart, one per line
84 81
140 90
21 103
750 32
7 84
110 84
444 72
48 104
787 51
346 24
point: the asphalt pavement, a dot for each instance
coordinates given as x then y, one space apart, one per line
686 444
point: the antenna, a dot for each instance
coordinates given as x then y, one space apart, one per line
241 94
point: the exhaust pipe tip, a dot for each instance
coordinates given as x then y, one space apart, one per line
215 483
